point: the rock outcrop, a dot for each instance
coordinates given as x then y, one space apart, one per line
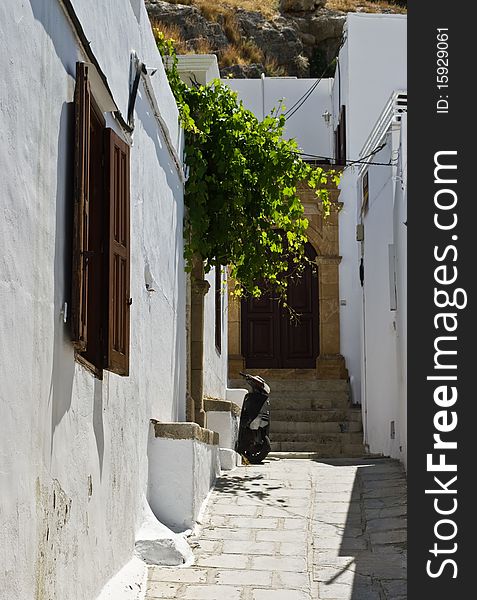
302 40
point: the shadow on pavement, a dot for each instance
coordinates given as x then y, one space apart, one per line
370 560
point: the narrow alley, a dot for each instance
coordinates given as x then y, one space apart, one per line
298 529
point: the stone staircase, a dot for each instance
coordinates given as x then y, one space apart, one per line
313 415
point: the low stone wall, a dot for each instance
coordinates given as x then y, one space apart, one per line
183 466
223 417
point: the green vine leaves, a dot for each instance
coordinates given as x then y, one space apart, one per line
243 209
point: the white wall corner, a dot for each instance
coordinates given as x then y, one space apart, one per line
156 544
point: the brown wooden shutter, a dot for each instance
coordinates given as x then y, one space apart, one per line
342 136
218 308
117 184
79 293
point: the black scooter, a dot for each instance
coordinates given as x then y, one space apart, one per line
253 438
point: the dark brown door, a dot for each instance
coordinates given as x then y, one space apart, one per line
274 337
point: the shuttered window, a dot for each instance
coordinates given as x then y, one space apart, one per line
218 308
101 239
79 301
119 299
340 139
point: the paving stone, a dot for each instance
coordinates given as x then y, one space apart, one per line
386 524
282 536
277 511
330 559
292 549
223 533
211 592
159 589
395 589
378 513
278 594
258 529
388 537
247 577
295 523
389 566
332 576
227 561
279 563
235 509
348 592
177 575
300 502
387 492
287 579
340 507
216 520
254 523
210 546
344 545
251 548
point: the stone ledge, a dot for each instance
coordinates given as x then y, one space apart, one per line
185 431
216 405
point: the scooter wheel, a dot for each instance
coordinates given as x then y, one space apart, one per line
255 458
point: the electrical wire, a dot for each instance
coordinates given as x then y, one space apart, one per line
299 103
362 160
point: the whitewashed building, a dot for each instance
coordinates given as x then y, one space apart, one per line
367 106
95 359
382 233
358 117
371 66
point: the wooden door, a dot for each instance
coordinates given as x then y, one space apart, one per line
272 336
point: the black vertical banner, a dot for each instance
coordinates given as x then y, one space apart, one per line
442 362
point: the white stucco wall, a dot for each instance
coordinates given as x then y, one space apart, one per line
73 448
372 64
400 241
379 326
226 424
182 472
306 125
215 361
384 319
350 288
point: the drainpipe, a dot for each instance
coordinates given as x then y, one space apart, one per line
263 95
364 402
199 287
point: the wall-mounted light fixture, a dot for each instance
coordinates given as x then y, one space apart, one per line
327 117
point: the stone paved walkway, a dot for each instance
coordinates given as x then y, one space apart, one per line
293 529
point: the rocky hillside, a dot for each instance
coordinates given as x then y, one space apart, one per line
275 37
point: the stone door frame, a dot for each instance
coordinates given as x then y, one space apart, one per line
323 234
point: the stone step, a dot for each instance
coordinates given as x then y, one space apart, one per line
321 415
318 438
297 384
293 427
308 400
295 393
322 450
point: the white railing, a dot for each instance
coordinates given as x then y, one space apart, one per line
395 107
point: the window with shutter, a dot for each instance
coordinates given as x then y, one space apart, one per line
218 308
79 298
119 302
340 138
100 281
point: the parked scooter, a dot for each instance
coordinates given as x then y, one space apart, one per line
253 438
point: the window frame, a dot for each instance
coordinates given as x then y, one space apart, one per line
218 309
99 189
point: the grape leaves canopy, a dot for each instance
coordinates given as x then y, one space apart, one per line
243 209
